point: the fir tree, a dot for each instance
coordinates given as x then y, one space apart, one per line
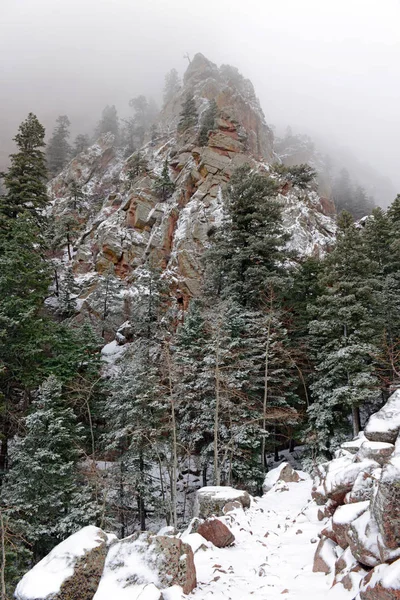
188 115
58 148
343 334
171 86
208 122
137 165
164 186
67 299
25 180
247 254
81 143
42 488
108 122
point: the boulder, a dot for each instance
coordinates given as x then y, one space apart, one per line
354 445
216 532
364 486
284 472
336 479
377 451
362 536
348 571
145 563
71 571
212 499
386 504
325 557
326 510
343 518
124 333
382 583
384 425
232 505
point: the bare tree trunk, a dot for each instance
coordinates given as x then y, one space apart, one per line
217 471
265 399
356 420
56 282
174 441
69 244
141 506
3 558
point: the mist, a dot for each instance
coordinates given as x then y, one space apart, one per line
331 70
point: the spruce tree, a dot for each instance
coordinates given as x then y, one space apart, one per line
208 123
42 488
248 253
188 115
25 180
343 337
171 85
81 142
164 186
58 148
108 123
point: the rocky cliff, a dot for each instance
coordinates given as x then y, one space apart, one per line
116 223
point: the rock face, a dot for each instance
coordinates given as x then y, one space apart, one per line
71 571
386 504
211 500
119 223
147 562
216 532
384 426
382 583
365 523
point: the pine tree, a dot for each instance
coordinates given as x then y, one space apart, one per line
108 122
67 299
136 166
171 86
188 115
208 122
25 180
164 186
248 252
42 488
58 148
81 143
343 338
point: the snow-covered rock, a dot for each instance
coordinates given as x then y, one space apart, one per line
382 583
325 556
210 500
145 564
386 504
284 472
377 451
71 570
363 536
384 425
216 532
343 518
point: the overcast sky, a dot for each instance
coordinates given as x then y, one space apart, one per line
331 67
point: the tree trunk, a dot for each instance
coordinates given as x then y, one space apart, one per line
3 558
265 400
141 506
217 472
356 420
174 441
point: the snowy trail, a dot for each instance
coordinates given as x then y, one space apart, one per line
273 556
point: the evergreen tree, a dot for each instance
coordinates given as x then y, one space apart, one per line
248 253
136 166
42 488
67 299
81 143
343 334
58 148
25 180
108 122
164 186
208 122
188 115
171 86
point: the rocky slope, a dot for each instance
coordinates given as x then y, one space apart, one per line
117 224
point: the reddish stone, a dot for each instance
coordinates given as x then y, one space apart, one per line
216 532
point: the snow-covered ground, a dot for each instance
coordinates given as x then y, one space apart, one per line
273 554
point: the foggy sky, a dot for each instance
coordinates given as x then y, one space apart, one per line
326 66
